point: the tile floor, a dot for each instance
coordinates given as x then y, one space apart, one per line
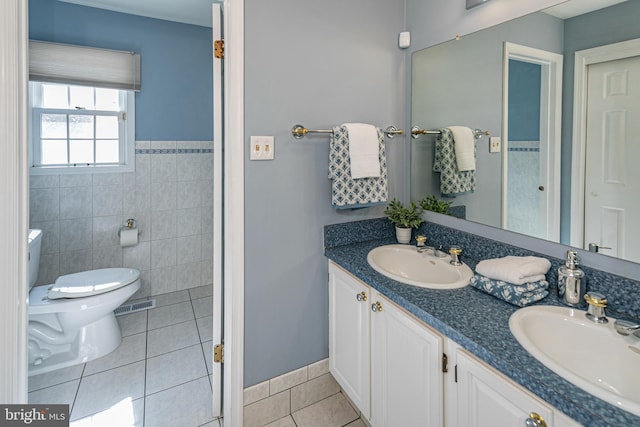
334 411
158 377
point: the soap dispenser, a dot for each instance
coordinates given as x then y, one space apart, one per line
571 281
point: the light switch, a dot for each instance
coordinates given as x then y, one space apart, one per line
262 148
494 144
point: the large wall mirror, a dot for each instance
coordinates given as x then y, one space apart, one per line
517 80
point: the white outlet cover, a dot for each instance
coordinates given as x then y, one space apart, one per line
261 148
494 144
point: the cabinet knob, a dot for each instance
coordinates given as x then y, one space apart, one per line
362 296
376 307
535 420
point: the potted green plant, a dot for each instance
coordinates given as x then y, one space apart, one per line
432 203
404 218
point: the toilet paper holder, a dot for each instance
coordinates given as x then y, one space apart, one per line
129 224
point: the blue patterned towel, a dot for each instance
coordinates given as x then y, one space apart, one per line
519 295
452 180
349 193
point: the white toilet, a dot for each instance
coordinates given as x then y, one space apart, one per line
72 321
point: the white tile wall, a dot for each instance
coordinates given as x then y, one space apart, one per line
170 196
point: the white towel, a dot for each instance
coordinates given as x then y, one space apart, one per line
464 146
514 269
364 151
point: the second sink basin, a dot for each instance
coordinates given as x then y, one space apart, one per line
405 264
592 356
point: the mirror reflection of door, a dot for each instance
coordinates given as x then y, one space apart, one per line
531 124
613 180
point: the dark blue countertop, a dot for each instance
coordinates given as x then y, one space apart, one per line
480 323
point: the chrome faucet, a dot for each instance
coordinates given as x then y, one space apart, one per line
624 327
455 252
597 303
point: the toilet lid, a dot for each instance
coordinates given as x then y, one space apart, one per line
92 282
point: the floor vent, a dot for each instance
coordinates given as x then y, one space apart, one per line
133 307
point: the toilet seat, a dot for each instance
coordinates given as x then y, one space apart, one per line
94 282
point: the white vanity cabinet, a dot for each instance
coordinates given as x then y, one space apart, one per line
349 341
392 366
386 361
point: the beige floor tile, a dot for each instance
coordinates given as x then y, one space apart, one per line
333 411
203 306
52 378
170 315
282 422
313 391
171 298
185 405
64 393
101 391
201 291
175 368
132 349
357 423
205 328
171 338
125 413
267 410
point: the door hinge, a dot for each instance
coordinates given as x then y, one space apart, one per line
455 373
445 363
218 353
218 49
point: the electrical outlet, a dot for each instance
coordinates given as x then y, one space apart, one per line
262 148
494 144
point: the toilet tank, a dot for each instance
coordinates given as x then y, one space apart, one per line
35 241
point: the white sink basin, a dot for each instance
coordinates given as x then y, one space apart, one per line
592 356
405 264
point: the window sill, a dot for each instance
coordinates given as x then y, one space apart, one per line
70 170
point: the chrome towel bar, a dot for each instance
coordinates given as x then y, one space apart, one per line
299 131
416 132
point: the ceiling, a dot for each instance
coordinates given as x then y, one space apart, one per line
196 12
572 8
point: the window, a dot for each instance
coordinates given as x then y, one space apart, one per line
80 128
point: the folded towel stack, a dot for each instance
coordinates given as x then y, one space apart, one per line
516 280
515 269
519 295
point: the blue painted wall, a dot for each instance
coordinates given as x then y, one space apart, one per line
176 101
524 101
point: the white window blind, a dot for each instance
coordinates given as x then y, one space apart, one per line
86 66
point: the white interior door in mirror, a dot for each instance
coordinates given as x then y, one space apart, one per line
613 178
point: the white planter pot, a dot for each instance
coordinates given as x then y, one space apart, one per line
403 235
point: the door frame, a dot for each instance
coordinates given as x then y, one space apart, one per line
551 113
233 234
584 58
14 182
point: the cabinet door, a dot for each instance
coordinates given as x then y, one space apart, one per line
486 399
406 369
349 336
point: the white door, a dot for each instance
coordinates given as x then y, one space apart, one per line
406 369
349 336
531 148
612 177
218 138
